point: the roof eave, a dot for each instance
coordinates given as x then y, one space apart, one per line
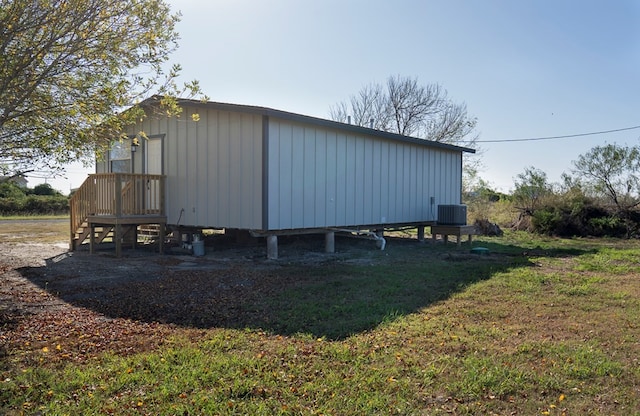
285 115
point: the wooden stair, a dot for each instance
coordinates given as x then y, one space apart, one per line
83 232
149 232
146 234
120 208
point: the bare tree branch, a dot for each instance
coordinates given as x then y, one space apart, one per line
403 106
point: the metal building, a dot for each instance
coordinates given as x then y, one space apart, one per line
273 172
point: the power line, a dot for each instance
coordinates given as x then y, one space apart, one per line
531 139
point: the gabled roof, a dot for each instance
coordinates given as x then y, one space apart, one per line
285 115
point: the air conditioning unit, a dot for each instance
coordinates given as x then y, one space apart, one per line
452 214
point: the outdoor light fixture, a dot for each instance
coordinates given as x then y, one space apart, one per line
134 144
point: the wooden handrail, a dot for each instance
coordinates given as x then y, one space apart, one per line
117 194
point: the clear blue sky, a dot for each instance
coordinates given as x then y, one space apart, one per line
525 68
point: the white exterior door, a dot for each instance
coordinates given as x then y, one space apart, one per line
153 166
153 156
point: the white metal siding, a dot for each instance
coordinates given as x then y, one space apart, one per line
321 177
317 176
213 167
102 166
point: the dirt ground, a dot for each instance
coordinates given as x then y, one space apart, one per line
84 305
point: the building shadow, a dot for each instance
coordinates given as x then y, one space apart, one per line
305 291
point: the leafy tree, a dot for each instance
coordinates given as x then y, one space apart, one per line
403 106
9 189
612 171
44 189
69 67
531 187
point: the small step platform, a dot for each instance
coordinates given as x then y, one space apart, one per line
458 230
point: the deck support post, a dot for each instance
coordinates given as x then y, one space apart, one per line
135 236
118 237
92 238
272 247
330 242
421 233
161 237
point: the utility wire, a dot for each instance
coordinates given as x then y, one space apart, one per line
531 139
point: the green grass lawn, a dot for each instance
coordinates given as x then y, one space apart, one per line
540 326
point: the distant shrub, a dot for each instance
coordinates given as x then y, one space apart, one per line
11 206
485 204
9 189
546 220
34 205
44 189
607 226
578 219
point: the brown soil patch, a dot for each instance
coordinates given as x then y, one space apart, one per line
75 306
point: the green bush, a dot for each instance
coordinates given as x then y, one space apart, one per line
44 189
41 200
546 220
607 226
578 218
11 206
34 205
11 190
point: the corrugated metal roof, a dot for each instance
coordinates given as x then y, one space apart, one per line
269 112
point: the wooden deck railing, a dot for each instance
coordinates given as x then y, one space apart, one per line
117 194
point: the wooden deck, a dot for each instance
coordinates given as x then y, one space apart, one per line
113 201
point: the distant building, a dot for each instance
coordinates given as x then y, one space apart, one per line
19 180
